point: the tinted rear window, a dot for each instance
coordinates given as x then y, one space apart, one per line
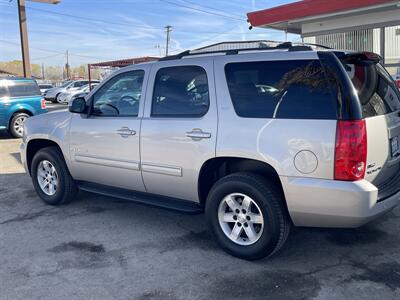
23 88
376 89
280 89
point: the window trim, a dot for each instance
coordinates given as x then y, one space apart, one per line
91 100
179 116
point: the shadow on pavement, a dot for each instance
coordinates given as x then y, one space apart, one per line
4 135
147 244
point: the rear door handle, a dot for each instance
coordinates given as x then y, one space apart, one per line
198 134
126 132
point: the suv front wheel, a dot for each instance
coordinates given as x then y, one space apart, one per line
51 178
247 216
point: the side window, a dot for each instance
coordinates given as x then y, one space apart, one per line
180 92
3 89
119 96
23 88
280 89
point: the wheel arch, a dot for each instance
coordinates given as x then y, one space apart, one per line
18 111
215 168
35 145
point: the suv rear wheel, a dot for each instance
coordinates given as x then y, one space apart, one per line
51 178
17 124
247 216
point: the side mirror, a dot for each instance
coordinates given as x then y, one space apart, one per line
77 105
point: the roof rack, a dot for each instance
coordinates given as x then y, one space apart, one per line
233 47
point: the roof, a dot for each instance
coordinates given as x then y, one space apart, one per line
16 78
6 72
290 17
237 47
124 62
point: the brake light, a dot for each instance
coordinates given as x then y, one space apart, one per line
43 103
350 150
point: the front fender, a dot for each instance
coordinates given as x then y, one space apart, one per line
52 127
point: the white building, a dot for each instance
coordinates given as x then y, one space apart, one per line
367 25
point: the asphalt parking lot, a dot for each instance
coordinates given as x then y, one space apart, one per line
104 248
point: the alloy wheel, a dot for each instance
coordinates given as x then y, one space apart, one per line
240 219
47 177
19 125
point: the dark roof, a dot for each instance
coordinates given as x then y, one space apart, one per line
124 62
6 72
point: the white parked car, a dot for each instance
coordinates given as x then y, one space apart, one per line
66 96
44 87
52 94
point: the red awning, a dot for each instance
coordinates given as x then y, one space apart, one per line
307 8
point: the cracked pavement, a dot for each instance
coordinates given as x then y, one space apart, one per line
104 248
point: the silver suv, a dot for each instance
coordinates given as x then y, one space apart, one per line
258 139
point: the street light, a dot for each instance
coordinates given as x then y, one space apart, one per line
26 64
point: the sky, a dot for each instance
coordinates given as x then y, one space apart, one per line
101 30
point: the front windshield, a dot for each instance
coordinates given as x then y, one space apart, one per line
65 84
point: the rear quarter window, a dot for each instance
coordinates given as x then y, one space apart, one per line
280 89
23 88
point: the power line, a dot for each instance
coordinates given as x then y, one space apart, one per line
81 18
208 39
203 10
212 8
52 51
44 57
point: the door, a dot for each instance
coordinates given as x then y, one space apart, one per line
380 102
104 146
179 128
3 104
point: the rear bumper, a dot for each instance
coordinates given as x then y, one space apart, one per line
331 203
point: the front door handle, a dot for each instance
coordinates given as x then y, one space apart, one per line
125 132
198 134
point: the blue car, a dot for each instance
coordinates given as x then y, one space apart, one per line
20 98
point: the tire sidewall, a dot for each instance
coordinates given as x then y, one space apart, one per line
55 100
58 197
270 235
15 116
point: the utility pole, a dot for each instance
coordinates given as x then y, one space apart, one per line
67 66
26 64
168 29
42 71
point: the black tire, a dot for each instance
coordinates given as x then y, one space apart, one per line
55 99
67 189
13 121
268 198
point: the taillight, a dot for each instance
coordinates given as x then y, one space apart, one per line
350 150
43 103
